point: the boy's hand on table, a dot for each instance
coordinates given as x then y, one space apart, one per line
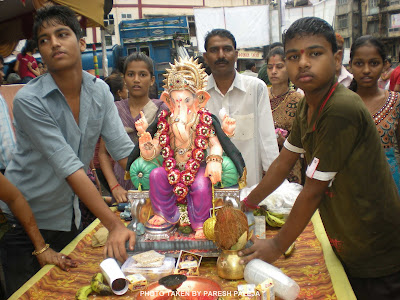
52 257
115 246
264 249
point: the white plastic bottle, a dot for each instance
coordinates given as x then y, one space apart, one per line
256 271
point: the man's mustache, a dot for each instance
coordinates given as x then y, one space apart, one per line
221 60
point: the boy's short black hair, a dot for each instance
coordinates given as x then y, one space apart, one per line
219 32
311 26
56 14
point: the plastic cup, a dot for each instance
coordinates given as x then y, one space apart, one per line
114 276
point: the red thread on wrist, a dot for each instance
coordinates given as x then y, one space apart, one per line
115 186
249 205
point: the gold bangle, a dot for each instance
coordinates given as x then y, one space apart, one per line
150 158
214 157
41 250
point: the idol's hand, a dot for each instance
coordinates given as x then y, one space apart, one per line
229 126
147 148
213 171
265 250
144 139
141 124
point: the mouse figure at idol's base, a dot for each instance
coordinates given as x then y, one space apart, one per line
195 149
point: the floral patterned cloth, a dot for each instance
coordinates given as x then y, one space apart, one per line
306 266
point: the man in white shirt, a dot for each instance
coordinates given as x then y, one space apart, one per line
344 76
245 99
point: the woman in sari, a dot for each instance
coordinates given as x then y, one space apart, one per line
283 101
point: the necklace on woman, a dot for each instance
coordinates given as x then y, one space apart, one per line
279 96
278 100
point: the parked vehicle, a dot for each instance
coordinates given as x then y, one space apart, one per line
159 38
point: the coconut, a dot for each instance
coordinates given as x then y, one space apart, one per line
230 225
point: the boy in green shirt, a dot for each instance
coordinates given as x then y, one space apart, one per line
348 177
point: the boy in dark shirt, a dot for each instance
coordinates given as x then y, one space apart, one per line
348 177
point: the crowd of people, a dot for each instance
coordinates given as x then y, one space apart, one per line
308 120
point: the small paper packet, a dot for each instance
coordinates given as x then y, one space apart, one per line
246 291
136 282
266 290
100 237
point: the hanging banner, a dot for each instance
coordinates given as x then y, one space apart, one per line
244 54
248 24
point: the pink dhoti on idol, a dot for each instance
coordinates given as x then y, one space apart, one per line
198 199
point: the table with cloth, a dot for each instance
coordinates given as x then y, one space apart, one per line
313 265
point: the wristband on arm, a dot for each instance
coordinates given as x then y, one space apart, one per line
249 205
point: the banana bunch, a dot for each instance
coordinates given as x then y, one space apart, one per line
96 286
274 219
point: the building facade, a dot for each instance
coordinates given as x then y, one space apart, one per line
348 20
380 18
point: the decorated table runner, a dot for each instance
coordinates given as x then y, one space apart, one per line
313 265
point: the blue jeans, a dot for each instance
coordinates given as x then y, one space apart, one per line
16 252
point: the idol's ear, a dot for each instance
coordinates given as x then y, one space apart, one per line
202 98
167 100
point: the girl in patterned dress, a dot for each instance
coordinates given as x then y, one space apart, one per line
367 57
139 77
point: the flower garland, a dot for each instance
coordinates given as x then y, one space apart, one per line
182 180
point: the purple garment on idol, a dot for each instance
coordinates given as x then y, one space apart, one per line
150 110
163 200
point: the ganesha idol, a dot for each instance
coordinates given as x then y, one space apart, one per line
191 148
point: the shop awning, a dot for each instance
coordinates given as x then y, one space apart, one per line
16 18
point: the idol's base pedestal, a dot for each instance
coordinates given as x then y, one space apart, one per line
167 239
